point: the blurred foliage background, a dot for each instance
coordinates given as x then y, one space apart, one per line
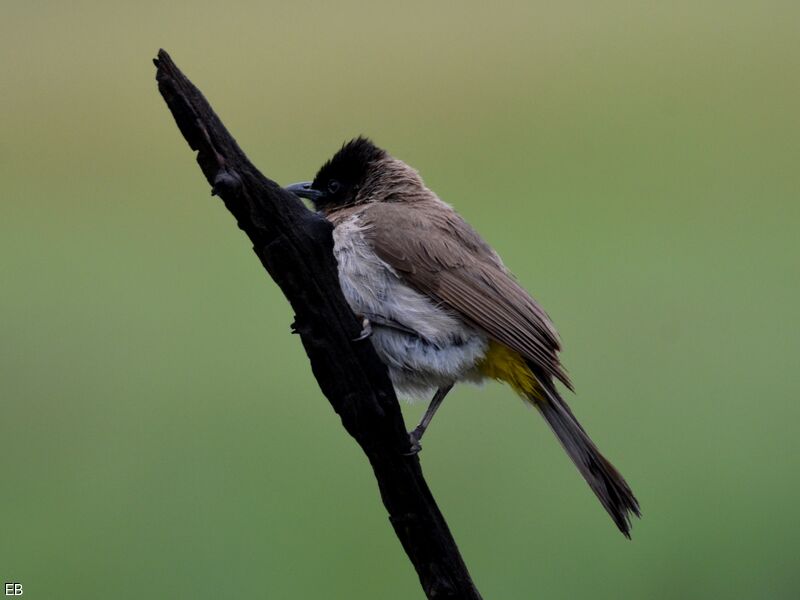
635 163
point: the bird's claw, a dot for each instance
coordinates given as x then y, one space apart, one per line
366 330
414 446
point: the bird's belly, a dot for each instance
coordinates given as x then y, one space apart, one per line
424 345
417 367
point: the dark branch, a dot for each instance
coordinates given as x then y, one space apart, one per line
296 248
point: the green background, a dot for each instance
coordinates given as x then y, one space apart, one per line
636 165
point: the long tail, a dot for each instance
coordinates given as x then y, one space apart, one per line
608 485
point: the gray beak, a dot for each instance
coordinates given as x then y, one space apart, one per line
304 190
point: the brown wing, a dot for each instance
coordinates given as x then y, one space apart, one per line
439 254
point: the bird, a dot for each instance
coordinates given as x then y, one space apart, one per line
439 305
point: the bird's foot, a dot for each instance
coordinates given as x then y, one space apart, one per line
414 446
366 329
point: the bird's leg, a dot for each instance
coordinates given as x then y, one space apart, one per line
416 435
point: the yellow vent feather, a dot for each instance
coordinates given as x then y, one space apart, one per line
504 364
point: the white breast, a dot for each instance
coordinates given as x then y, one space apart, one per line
443 349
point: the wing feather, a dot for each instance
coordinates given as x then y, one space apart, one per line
436 252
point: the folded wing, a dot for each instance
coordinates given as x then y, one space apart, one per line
436 252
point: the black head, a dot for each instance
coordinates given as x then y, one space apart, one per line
338 180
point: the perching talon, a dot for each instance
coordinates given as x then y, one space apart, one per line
366 330
415 446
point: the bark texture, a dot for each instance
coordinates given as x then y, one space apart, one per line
295 246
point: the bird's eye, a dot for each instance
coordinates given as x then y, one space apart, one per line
333 186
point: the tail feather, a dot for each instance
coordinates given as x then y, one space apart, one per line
608 485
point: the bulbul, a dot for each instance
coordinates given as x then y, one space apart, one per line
439 305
